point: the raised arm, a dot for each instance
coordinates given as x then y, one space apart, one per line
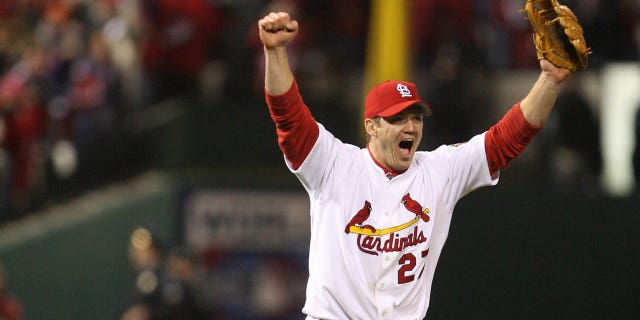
537 105
507 139
296 128
276 30
561 49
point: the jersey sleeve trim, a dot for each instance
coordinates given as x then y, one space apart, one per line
508 138
296 128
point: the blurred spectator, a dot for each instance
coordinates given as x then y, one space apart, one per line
5 45
575 161
175 45
161 288
21 105
121 27
10 306
448 94
93 94
442 23
345 48
59 34
184 265
509 43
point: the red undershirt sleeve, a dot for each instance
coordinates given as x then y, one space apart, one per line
296 128
508 138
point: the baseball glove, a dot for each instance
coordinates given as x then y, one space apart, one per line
557 34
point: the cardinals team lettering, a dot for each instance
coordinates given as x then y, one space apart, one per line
373 244
370 240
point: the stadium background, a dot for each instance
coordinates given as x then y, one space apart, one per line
124 113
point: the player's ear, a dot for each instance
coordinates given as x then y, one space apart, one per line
370 127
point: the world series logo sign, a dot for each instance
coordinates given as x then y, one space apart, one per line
253 244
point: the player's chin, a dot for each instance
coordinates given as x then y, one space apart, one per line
403 160
402 166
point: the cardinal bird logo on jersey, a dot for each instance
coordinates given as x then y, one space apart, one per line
392 239
360 218
357 223
415 207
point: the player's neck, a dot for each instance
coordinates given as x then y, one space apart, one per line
388 172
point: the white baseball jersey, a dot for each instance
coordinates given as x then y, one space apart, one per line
375 240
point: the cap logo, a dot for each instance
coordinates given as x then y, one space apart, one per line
403 90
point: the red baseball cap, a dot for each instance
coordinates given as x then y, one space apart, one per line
391 97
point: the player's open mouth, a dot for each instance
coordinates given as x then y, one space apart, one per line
406 145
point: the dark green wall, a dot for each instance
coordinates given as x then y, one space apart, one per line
540 255
80 269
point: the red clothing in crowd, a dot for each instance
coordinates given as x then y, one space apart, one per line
10 308
178 35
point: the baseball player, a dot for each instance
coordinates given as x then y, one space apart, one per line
380 214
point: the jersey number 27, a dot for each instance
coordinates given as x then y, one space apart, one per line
407 263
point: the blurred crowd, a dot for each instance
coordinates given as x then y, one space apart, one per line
176 282
78 77
169 282
73 76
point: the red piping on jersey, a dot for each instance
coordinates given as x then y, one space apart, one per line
296 128
508 138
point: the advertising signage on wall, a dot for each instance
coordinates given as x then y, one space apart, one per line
253 246
256 220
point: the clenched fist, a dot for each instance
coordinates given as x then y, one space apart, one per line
277 29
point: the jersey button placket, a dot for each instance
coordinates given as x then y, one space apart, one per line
384 300
386 314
